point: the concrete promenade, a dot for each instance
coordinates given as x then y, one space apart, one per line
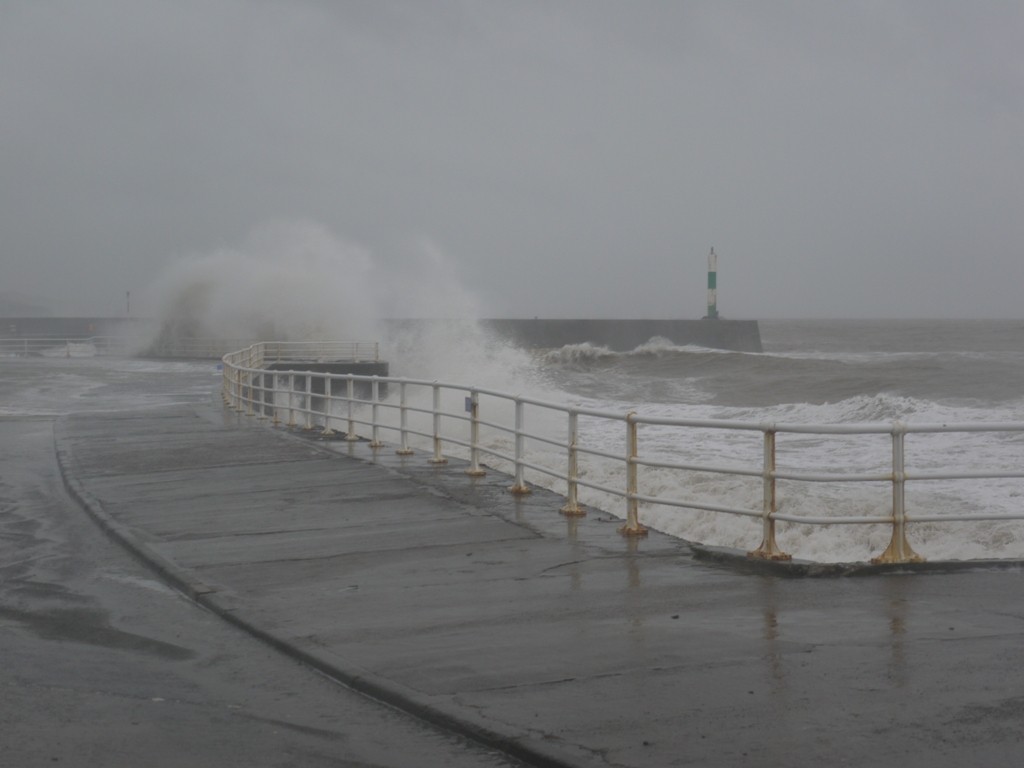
554 639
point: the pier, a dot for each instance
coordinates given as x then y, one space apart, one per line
551 638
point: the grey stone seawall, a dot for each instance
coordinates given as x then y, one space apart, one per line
618 335
624 335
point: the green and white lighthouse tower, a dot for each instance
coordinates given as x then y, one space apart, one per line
712 286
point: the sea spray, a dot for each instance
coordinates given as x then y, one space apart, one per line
287 281
297 281
968 374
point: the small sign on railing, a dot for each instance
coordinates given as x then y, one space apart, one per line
469 405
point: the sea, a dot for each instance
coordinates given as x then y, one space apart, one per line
811 372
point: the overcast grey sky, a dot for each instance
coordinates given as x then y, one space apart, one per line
560 159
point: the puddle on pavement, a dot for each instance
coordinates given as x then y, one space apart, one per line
82 625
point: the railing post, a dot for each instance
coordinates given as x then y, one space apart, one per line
350 394
769 550
473 406
276 420
632 526
899 549
375 441
403 418
261 389
572 506
519 487
250 394
328 396
308 402
291 400
438 457
238 390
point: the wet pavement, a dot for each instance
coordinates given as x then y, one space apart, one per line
553 639
105 666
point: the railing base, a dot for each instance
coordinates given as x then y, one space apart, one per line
573 510
404 452
768 549
898 551
476 472
519 490
765 553
637 530
438 462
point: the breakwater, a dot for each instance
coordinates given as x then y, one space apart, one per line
624 335
618 335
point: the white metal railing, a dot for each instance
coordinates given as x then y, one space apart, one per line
291 398
28 346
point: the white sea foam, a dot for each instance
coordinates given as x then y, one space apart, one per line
659 345
653 348
575 353
867 454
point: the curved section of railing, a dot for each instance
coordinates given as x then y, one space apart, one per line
313 400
